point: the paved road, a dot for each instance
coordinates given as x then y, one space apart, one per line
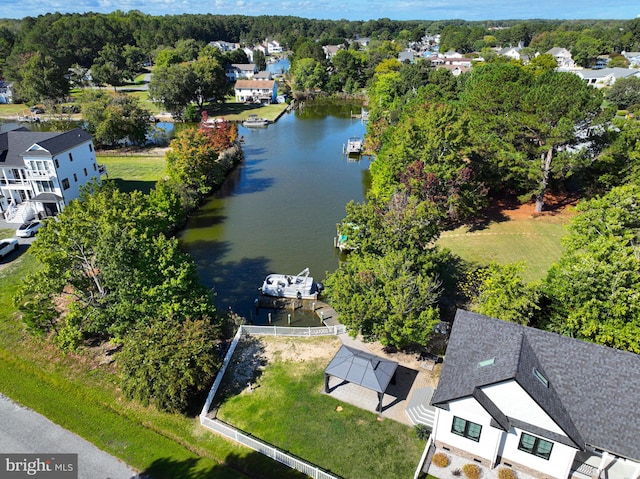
25 431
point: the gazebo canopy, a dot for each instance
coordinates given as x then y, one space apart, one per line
361 368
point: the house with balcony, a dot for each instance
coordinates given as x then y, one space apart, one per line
547 405
256 91
41 172
238 71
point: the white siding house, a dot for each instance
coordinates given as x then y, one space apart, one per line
237 71
549 406
40 173
256 91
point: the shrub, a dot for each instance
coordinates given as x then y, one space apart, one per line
422 431
505 473
472 471
440 459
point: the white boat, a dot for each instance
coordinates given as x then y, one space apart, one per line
354 146
300 286
254 120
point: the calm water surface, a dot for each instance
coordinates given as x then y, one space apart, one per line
278 212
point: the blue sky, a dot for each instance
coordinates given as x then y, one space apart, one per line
348 9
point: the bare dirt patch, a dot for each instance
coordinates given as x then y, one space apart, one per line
561 206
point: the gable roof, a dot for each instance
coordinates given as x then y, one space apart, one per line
15 143
255 84
362 368
592 390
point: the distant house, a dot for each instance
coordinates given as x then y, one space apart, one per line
634 59
547 405
240 71
249 53
406 56
511 52
224 46
563 57
40 173
263 75
256 91
331 50
274 47
604 77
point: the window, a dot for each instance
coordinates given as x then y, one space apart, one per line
541 377
85 172
70 157
75 177
65 183
94 167
467 429
90 147
534 445
55 161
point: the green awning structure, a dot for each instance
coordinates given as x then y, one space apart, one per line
361 368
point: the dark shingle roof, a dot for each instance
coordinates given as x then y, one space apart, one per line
362 368
592 393
14 143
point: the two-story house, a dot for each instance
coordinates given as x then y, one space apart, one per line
256 91
563 57
237 71
547 405
41 172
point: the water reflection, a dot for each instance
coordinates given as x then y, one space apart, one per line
277 213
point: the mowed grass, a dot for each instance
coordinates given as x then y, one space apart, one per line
75 392
287 409
134 172
535 241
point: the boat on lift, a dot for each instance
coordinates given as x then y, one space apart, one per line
300 286
354 146
255 121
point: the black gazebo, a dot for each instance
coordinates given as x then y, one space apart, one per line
362 368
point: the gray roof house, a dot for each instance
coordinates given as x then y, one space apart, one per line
604 77
547 405
40 172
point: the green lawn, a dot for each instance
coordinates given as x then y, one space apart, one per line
233 111
133 172
287 409
534 241
76 393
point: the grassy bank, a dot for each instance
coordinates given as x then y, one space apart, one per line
536 241
134 171
78 393
288 409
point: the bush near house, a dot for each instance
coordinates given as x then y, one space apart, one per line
505 473
472 471
440 459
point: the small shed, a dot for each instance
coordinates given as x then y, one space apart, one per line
362 368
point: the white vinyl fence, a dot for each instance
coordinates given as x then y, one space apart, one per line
243 438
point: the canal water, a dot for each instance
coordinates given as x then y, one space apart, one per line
277 212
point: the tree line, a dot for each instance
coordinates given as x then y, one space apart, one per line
444 146
111 270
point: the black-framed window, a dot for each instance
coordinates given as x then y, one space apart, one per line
465 428
65 183
535 445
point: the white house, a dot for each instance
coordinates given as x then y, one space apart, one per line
40 173
634 59
563 57
238 71
274 47
224 46
547 405
604 77
256 91
249 52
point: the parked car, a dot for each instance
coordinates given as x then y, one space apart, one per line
7 246
28 229
36 109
